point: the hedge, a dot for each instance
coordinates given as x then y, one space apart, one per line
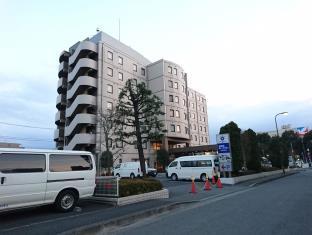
128 187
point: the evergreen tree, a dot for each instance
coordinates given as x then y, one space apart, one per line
163 157
235 138
139 113
250 146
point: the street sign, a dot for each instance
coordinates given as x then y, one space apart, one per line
224 151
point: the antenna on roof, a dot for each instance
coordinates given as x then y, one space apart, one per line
119 28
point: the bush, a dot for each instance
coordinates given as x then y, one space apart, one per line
128 187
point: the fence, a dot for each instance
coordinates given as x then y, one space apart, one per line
106 186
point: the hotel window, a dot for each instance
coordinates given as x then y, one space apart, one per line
177 113
186 130
195 137
206 140
198 98
181 74
144 145
119 90
169 69
109 88
110 55
192 105
201 128
120 60
200 118
178 128
176 99
170 83
175 71
172 128
142 71
176 86
205 129
203 119
170 98
109 105
203 109
191 137
185 116
109 71
182 88
202 139
193 115
135 67
119 143
194 127
184 103
171 113
120 76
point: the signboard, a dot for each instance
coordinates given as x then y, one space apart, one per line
224 151
301 131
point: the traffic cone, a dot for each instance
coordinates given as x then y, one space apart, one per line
213 179
193 190
207 185
219 184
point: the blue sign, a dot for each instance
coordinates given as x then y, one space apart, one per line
224 148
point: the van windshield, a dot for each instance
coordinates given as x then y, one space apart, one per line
216 162
117 166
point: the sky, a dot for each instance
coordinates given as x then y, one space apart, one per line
251 59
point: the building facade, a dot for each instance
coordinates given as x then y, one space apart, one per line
91 75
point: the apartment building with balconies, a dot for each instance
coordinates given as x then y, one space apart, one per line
91 75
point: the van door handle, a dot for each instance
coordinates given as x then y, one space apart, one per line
2 180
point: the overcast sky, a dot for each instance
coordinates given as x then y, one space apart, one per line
252 59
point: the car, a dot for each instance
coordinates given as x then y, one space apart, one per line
152 172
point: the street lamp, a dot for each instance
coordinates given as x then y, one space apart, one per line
282 162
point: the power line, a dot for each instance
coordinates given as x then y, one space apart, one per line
24 138
27 126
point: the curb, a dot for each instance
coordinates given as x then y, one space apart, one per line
274 178
101 227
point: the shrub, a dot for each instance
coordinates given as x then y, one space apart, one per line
128 187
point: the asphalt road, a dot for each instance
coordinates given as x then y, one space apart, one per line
283 206
44 220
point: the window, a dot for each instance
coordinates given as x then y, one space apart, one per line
185 116
203 109
135 67
110 142
186 130
176 85
175 71
120 76
109 105
171 113
169 69
142 71
192 95
200 128
173 164
206 139
62 163
177 113
195 137
193 105
109 71
22 163
109 88
198 98
187 163
176 99
184 102
202 139
182 88
205 129
178 128
172 128
204 163
181 74
203 99
120 161
144 144
193 115
119 90
194 127
120 60
203 118
110 55
119 144
170 83
191 137
170 98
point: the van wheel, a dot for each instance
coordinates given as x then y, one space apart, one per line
203 177
117 175
174 177
66 201
132 176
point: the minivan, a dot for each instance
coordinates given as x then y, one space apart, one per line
129 169
197 167
31 177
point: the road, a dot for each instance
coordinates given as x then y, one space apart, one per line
43 220
279 207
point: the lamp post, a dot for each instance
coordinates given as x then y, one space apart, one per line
282 162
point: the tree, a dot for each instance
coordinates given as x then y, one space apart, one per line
235 139
163 157
263 140
113 145
138 117
251 149
278 153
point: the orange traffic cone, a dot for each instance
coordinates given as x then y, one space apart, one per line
219 184
207 185
213 180
193 190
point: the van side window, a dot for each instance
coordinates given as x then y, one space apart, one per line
188 163
204 163
173 164
22 163
63 162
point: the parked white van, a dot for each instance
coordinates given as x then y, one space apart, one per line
36 177
198 166
129 169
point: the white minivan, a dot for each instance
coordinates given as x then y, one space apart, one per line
129 169
198 166
36 177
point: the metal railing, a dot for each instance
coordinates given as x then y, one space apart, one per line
106 186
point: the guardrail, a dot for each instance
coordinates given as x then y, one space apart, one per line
106 186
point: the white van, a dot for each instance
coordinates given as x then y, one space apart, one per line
198 166
129 169
36 177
